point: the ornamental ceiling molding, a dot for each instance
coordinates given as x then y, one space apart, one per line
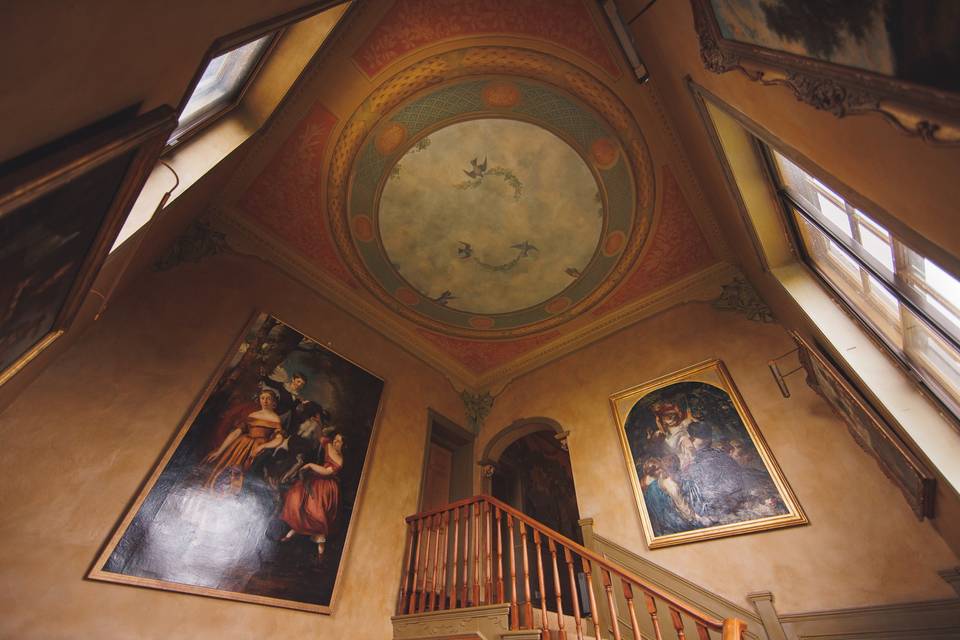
372 130
246 237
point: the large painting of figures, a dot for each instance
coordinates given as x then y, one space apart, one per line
699 466
254 499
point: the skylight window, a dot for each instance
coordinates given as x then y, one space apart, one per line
908 301
221 86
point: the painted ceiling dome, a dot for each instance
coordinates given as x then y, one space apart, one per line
490 216
490 205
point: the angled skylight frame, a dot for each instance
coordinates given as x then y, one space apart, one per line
915 319
226 73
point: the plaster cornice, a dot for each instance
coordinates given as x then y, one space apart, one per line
247 237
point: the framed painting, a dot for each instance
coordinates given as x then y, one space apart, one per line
254 498
897 58
869 430
61 207
699 466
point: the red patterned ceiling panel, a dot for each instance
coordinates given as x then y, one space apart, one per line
480 356
286 196
677 249
412 24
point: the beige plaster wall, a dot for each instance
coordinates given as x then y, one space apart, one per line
80 440
863 545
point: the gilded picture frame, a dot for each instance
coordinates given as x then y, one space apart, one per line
61 207
843 64
699 467
259 524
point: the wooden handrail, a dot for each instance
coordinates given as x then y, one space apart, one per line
594 557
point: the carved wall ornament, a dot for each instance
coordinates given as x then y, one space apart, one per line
476 407
197 242
927 112
487 469
741 297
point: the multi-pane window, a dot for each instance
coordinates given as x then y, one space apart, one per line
221 86
912 304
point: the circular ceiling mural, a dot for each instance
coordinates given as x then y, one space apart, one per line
485 205
490 216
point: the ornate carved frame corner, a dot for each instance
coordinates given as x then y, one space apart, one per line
915 110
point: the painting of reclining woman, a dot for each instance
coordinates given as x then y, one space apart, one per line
253 500
699 466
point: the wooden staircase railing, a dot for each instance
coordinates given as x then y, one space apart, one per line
465 554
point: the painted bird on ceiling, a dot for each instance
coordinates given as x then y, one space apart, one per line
444 297
524 248
478 170
464 251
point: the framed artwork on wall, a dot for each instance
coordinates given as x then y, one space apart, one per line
61 207
897 58
699 466
869 430
254 498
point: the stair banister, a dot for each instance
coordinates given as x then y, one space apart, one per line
482 508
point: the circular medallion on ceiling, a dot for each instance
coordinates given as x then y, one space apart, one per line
490 216
490 205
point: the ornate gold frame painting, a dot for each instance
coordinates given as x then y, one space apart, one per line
699 466
896 58
254 498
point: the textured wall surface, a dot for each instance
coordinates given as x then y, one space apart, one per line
83 437
863 545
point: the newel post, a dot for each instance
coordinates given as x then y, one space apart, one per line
733 629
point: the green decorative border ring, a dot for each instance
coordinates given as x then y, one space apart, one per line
611 146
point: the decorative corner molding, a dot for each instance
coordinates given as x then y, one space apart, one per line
740 296
197 242
476 407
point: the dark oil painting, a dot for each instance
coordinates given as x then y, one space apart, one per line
44 245
255 498
913 40
700 470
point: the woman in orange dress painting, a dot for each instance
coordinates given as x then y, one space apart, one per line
257 431
312 504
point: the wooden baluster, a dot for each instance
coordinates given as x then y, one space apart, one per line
574 595
500 595
628 596
733 629
421 600
514 608
593 601
408 555
476 553
556 587
611 602
488 541
543 598
677 623
456 555
416 568
652 610
527 605
444 547
702 632
465 593
435 585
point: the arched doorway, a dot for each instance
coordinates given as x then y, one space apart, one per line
533 474
528 467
